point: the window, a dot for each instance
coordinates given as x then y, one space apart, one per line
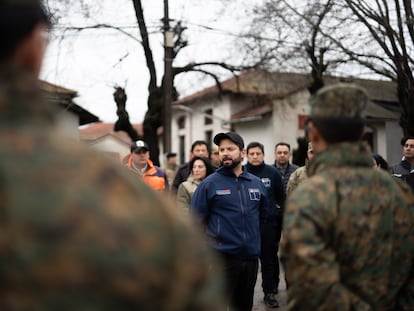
181 122
208 116
209 137
181 149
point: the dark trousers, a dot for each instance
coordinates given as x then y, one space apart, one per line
241 279
269 260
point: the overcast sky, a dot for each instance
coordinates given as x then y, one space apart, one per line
92 62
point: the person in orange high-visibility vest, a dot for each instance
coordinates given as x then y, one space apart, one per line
138 161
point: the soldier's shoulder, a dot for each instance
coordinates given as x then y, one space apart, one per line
301 170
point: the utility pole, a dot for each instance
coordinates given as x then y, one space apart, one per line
168 81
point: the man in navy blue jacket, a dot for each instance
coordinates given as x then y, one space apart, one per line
231 204
270 231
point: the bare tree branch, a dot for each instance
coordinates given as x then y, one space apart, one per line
102 26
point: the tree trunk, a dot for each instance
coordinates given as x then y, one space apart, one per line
123 123
152 121
406 99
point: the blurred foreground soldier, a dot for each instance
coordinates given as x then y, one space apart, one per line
348 229
76 232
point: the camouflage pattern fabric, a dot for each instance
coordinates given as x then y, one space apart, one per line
349 236
342 100
295 179
77 233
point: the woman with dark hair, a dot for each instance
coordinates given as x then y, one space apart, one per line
200 167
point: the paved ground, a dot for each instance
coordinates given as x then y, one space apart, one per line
258 304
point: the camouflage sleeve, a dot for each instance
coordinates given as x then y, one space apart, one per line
310 264
292 183
406 294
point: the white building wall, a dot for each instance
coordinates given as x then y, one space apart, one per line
195 127
285 118
282 125
394 134
111 145
260 131
380 144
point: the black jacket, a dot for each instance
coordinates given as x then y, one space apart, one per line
272 181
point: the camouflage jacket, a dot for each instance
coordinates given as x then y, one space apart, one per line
349 236
78 233
295 179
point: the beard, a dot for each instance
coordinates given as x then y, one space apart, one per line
233 163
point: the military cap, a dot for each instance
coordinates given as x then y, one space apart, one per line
342 100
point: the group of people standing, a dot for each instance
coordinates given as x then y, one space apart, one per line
273 182
242 215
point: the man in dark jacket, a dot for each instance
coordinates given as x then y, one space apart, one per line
231 204
282 156
272 229
405 169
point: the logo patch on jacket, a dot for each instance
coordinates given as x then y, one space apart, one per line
266 182
254 194
223 192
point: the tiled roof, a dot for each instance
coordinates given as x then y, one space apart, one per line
254 82
59 95
53 88
96 131
252 112
281 84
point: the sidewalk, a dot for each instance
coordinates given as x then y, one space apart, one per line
258 304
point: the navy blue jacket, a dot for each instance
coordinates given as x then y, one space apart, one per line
232 209
290 168
272 181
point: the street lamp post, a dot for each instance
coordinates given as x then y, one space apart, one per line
168 79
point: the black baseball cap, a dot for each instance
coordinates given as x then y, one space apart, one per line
234 137
138 145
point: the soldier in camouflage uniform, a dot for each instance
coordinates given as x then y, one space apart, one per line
77 233
300 174
349 228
